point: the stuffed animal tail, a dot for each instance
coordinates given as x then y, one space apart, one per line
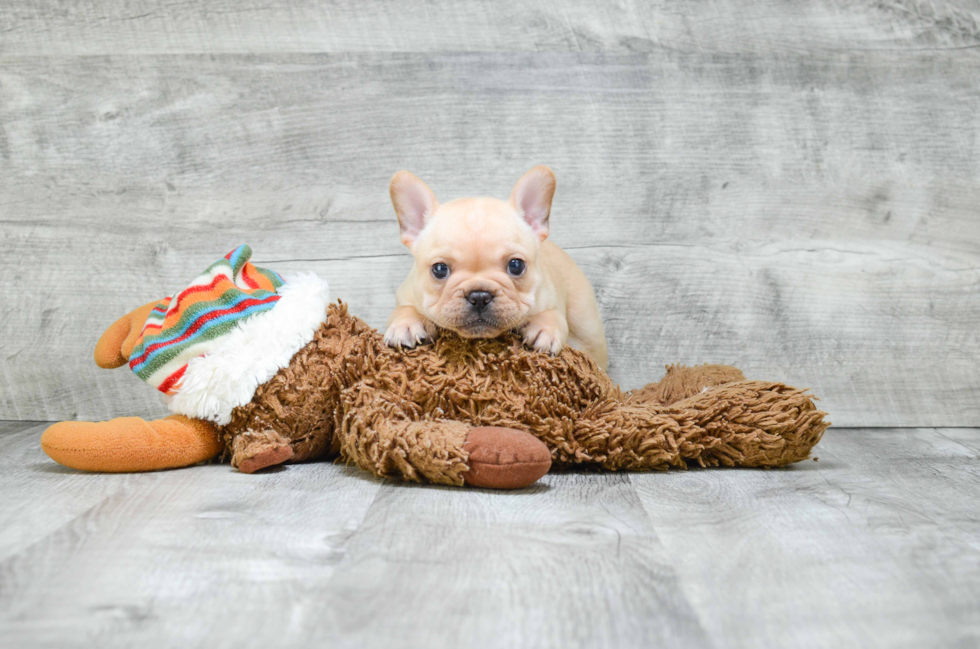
132 444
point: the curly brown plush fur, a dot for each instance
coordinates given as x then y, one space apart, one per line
407 413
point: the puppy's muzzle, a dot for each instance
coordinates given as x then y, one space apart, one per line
479 299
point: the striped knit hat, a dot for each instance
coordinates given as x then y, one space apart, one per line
211 345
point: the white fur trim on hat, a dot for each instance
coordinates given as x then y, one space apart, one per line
242 360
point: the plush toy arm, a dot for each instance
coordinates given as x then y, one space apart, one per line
116 343
131 444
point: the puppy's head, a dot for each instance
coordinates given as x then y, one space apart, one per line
476 259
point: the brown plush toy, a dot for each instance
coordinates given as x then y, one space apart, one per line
488 413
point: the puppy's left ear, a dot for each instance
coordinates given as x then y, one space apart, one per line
532 196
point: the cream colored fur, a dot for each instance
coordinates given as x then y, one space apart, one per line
551 303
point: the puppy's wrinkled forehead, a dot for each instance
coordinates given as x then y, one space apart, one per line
480 230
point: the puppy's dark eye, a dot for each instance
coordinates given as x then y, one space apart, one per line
440 270
515 267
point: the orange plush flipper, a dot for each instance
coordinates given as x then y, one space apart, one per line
116 343
131 444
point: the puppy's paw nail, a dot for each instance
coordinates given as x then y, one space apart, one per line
400 338
547 346
531 336
543 340
406 334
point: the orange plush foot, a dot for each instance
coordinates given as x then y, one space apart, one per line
131 444
504 458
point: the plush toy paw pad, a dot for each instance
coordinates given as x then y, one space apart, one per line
266 458
504 458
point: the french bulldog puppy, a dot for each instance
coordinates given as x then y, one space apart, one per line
483 266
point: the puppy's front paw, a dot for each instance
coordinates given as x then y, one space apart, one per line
406 334
543 338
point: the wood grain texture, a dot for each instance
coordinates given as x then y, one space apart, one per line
571 561
793 190
203 556
874 545
819 228
89 27
55 496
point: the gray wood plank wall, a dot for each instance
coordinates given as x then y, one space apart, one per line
792 188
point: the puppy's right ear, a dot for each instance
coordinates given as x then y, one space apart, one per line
414 204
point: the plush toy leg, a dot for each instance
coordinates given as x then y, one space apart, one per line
754 424
451 453
252 451
747 423
504 458
382 436
131 444
411 450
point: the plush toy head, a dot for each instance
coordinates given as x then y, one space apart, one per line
211 344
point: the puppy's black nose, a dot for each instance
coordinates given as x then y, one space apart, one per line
479 299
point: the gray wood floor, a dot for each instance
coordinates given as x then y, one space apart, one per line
877 544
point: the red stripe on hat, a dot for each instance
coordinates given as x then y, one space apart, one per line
248 280
198 289
200 322
170 380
